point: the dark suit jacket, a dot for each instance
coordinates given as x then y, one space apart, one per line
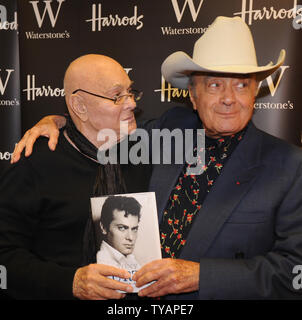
248 235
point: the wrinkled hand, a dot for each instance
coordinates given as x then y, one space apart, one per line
171 276
48 127
91 282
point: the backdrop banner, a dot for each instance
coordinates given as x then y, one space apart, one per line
10 119
140 35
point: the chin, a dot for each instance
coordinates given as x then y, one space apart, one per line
230 128
132 127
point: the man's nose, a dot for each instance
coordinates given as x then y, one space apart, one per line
129 235
130 103
228 95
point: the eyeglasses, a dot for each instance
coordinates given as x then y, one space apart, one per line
133 94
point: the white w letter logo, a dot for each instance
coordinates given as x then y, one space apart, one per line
272 87
48 9
190 3
3 86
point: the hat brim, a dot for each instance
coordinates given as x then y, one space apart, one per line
178 67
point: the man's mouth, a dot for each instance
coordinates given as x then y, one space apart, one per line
227 114
129 118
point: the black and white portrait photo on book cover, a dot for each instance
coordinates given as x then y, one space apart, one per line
126 229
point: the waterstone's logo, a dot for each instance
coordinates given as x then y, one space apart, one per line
99 20
249 14
4 79
3 85
33 91
52 12
188 3
168 147
4 24
169 93
273 89
180 10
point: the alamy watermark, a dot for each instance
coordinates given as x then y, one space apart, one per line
3 277
159 146
297 281
297 21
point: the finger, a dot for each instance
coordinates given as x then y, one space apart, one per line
107 270
16 154
103 293
99 293
148 273
89 283
116 284
154 290
30 143
115 278
53 139
158 288
19 148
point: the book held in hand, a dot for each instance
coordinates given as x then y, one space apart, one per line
126 231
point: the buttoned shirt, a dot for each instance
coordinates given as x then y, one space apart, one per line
110 256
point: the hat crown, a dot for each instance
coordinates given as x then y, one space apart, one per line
228 41
226 47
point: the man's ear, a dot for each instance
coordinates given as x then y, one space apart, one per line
104 232
257 88
192 96
78 106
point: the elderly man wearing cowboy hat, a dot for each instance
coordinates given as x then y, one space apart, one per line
234 231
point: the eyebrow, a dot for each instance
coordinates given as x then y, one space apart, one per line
126 226
122 225
118 86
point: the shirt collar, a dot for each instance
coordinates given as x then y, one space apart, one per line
116 255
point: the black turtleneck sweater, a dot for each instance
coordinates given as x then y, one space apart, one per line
44 206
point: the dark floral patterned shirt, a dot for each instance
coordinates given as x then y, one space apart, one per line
189 193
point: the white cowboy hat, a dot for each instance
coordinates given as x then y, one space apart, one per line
226 47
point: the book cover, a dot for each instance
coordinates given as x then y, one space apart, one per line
127 232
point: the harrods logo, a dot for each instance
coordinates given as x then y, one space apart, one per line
5 156
180 8
249 14
4 24
99 20
167 92
51 11
33 92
